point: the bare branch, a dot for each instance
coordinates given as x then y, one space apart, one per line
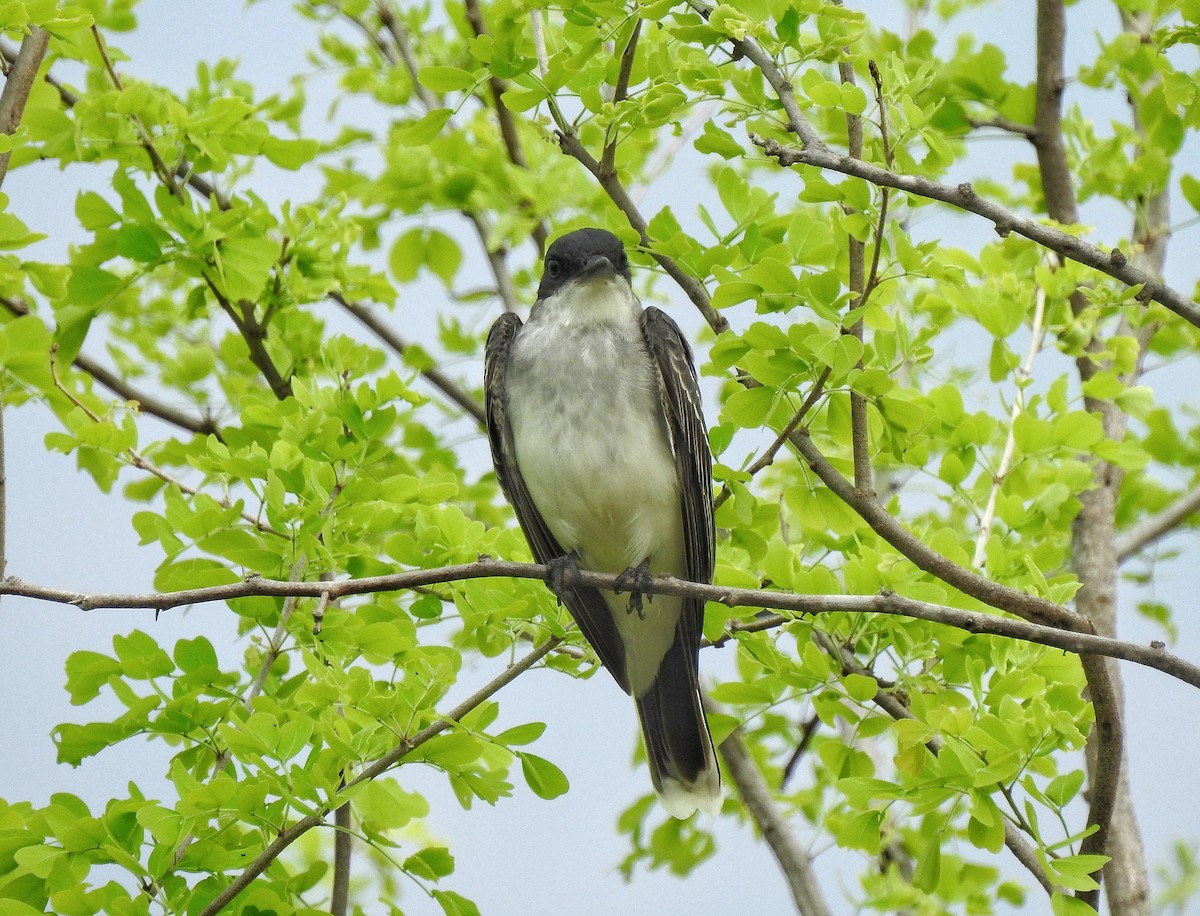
999 122
1149 530
1111 263
18 84
376 769
886 603
794 862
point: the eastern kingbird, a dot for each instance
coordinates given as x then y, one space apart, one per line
593 414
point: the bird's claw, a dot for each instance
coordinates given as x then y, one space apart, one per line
564 572
639 582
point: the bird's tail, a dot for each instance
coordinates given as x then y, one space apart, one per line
683 764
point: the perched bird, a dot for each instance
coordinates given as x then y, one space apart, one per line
593 414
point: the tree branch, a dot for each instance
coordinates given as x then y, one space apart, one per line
434 376
620 92
165 174
203 426
508 125
339 899
1149 530
768 457
980 622
497 258
18 84
376 769
999 122
1093 553
794 862
1024 374
860 438
253 333
1112 263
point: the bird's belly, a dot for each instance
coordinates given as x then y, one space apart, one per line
606 486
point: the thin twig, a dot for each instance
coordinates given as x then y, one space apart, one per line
508 124
139 461
146 403
1024 374
620 93
768 457
165 174
1149 530
891 703
999 122
611 184
1111 263
254 334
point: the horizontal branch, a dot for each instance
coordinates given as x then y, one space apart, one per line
486 568
1113 263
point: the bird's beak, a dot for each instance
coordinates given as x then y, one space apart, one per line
597 267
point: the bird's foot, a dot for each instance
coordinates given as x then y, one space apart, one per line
564 573
639 582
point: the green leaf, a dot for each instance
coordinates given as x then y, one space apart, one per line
543 777
422 131
1066 905
716 140
1191 190
522 734
91 285
455 904
87 672
94 212
446 79
430 864
860 687
136 243
290 154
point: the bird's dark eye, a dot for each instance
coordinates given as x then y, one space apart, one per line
553 268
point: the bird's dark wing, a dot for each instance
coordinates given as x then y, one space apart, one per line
586 605
671 355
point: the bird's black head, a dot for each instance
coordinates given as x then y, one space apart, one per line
580 254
